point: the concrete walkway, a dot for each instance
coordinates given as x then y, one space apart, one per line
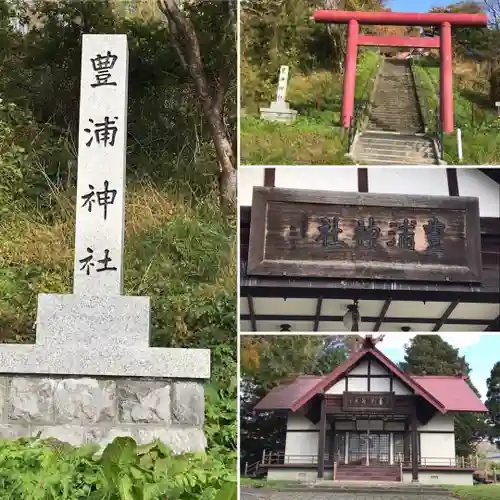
381 494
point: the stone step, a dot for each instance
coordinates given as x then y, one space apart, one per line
395 148
373 160
394 111
389 129
382 119
394 156
392 149
397 151
394 127
395 106
373 489
383 143
389 126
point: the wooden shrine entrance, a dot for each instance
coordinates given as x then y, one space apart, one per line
370 429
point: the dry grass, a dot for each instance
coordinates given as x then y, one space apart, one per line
179 250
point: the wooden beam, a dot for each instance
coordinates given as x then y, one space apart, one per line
414 443
321 440
318 314
382 314
251 309
451 175
445 316
363 180
494 326
367 319
492 173
269 177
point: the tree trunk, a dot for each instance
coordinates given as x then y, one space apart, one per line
187 46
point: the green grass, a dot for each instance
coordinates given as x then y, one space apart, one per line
179 249
264 483
473 114
316 136
477 492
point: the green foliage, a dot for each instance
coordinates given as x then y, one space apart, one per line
221 427
315 138
179 243
473 112
476 492
36 469
268 361
493 404
431 355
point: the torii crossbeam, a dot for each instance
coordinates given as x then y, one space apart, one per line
444 20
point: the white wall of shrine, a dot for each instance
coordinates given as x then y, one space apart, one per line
456 477
472 182
386 180
377 384
437 438
301 439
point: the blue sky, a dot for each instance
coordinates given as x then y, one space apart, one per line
414 5
481 351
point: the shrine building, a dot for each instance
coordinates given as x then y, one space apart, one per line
351 249
368 420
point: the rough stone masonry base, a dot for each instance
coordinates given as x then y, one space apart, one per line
98 409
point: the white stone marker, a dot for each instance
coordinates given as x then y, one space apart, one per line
96 330
102 144
280 110
282 84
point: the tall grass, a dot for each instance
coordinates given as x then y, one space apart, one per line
180 250
473 113
316 136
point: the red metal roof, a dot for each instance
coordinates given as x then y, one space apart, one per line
453 393
443 393
284 397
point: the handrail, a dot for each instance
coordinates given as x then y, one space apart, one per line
362 106
252 469
431 116
280 458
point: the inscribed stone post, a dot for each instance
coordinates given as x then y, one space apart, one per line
280 110
92 374
282 84
102 142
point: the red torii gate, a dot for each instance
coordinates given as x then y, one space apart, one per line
353 19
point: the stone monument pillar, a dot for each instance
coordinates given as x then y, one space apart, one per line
92 375
280 110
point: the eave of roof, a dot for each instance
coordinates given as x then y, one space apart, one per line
345 367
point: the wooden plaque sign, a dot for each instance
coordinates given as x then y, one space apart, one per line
365 236
378 401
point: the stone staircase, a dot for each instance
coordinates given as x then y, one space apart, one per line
394 132
379 148
386 473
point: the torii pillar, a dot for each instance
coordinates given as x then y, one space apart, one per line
444 20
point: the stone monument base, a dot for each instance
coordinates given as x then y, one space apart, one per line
97 409
278 112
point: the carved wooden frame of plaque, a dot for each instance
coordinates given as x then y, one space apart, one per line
463 264
389 398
